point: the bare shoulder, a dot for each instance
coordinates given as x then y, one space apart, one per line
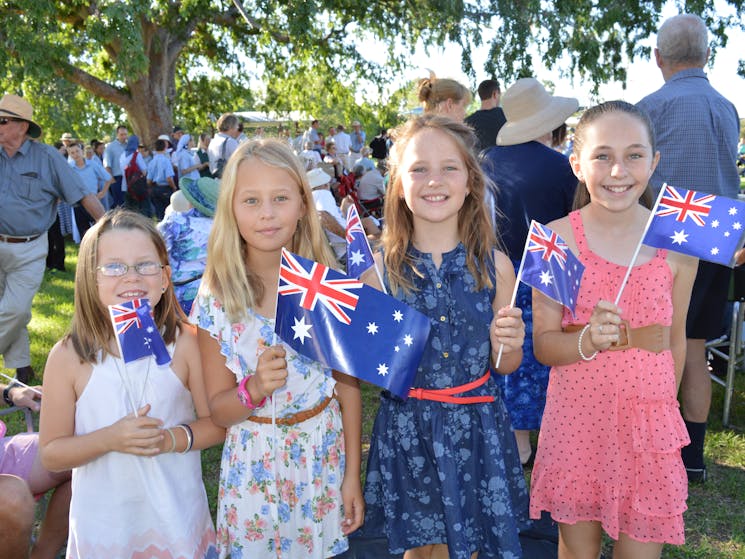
563 227
503 264
682 263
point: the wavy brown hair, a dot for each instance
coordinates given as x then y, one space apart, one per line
226 274
91 330
474 225
582 195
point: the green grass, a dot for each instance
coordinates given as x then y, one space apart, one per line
715 520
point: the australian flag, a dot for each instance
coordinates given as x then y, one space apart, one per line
550 267
709 227
136 332
359 255
349 326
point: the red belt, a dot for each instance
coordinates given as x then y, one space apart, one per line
447 395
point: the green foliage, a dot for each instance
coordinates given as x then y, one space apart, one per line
154 59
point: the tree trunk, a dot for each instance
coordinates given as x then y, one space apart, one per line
148 99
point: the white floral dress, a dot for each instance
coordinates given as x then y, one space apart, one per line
298 513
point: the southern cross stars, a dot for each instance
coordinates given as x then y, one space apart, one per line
301 330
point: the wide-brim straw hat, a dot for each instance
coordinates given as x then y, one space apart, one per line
201 193
532 112
13 106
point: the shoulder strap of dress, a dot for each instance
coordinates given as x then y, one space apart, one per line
575 218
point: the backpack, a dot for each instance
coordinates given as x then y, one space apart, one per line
220 165
137 186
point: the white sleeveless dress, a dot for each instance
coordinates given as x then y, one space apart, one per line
129 506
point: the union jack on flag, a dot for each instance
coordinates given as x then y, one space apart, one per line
314 287
381 341
684 204
550 267
714 232
136 332
124 316
550 246
359 255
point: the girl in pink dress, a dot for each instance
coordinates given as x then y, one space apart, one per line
609 448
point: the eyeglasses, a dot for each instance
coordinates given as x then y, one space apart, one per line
4 121
118 269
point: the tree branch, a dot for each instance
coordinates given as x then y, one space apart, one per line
93 84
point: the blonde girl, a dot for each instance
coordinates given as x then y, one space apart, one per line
443 476
609 448
290 491
127 430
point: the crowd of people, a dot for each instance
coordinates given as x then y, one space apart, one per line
447 200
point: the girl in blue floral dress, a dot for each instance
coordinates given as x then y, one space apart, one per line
291 491
443 476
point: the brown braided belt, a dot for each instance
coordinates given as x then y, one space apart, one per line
295 418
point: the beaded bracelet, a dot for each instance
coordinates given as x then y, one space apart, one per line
173 440
189 437
579 345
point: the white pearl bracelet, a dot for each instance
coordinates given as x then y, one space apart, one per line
579 345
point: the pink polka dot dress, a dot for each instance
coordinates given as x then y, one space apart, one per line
609 446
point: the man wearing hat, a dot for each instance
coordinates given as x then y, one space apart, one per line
33 176
533 182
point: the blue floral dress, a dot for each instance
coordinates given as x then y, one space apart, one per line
448 473
186 235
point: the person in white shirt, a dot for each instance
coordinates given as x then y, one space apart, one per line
224 143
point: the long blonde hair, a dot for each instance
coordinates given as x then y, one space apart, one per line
91 330
474 225
226 274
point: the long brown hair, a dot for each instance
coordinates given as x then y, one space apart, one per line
91 330
474 225
226 275
582 195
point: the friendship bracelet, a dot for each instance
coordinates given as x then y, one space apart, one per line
579 345
189 437
173 440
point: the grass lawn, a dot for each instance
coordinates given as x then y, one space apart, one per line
715 520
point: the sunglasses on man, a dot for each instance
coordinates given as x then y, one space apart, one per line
4 121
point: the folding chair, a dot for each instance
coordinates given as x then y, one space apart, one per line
29 418
730 346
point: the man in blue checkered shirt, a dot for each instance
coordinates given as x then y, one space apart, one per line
697 131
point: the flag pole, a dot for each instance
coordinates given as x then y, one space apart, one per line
17 382
514 290
639 245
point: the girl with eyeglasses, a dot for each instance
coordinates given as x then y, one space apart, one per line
127 431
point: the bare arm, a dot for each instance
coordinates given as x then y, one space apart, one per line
507 328
348 392
330 224
93 206
221 385
61 449
684 269
206 433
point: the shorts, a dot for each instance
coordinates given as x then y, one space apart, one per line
17 454
708 305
